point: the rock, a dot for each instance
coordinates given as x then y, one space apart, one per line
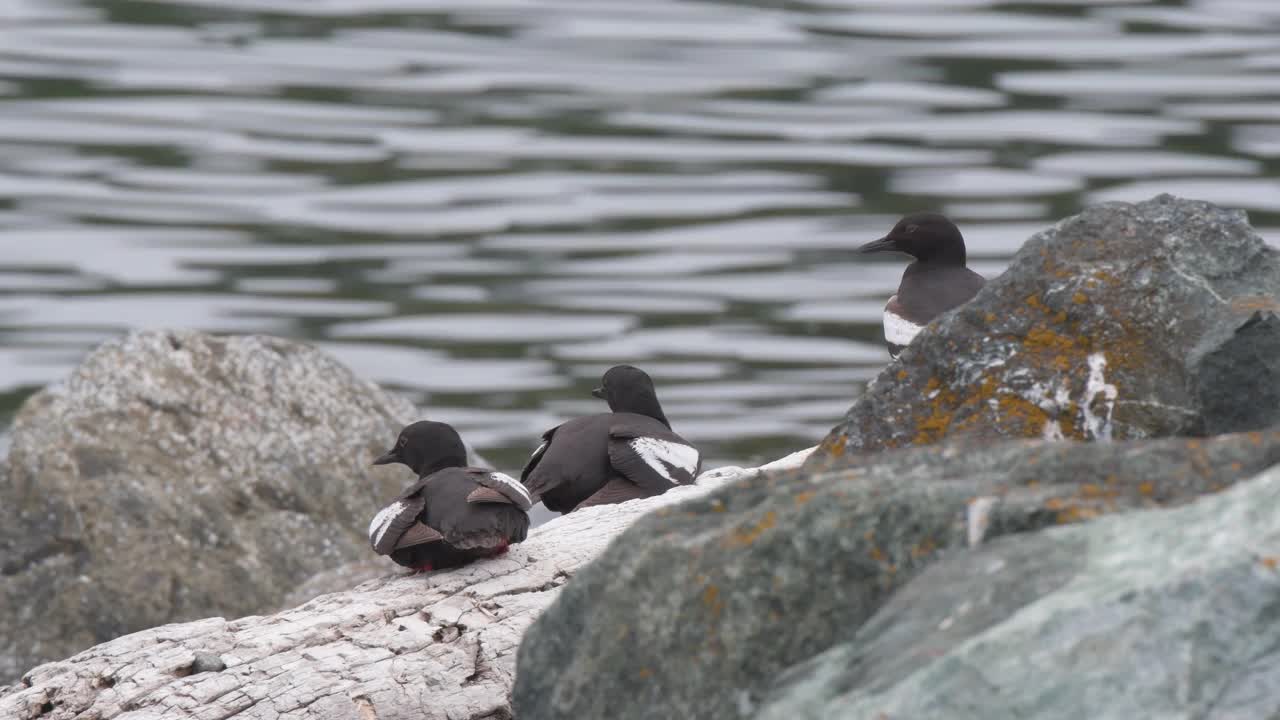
434 646
698 609
1239 380
1156 614
343 577
1125 321
178 475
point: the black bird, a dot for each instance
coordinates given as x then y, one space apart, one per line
936 282
453 514
612 457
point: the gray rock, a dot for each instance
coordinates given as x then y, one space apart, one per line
1125 321
1238 386
697 610
1155 614
439 646
178 475
343 577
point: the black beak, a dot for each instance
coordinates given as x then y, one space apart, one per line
884 244
387 458
598 392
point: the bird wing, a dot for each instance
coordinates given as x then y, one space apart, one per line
397 526
537 489
496 487
615 491
654 460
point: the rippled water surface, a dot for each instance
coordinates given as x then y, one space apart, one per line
487 202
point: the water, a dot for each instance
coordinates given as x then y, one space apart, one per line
485 203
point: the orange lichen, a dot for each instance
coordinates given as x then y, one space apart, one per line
876 554
1146 489
645 673
1270 562
923 548
1252 303
1080 298
902 374
834 445
711 598
742 537
1076 513
804 497
1063 352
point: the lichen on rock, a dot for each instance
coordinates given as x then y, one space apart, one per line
1100 329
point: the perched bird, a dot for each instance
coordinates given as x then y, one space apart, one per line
453 514
936 282
612 457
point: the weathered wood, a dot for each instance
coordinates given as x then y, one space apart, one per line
440 645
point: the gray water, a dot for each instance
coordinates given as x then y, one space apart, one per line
485 203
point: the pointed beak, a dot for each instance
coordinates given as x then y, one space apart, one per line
387 458
598 392
884 244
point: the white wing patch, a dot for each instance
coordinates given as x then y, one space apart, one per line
899 330
539 451
511 483
382 521
658 454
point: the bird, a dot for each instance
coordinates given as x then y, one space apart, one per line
936 282
627 453
453 514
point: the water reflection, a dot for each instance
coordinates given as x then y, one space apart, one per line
485 203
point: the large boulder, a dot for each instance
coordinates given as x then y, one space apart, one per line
178 475
431 647
697 610
1125 321
1167 614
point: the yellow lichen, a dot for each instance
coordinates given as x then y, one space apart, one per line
923 548
742 537
711 598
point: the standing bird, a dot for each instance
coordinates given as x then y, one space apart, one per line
453 514
612 457
936 282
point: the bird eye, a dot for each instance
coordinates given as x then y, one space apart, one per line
912 228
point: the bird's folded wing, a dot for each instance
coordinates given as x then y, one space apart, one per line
496 487
615 491
394 521
655 462
535 488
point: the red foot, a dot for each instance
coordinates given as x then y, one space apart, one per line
500 550
424 567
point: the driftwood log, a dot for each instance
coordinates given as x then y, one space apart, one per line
440 645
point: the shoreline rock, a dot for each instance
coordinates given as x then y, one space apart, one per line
431 646
1125 321
177 475
697 610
